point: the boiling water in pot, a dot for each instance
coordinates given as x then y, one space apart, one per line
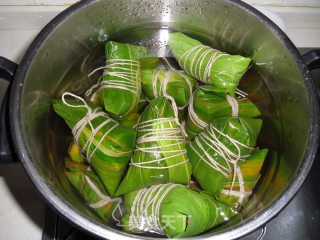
76 80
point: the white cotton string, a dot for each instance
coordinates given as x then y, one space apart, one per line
241 184
143 100
211 139
126 73
135 223
164 84
96 86
173 102
165 60
68 94
194 117
182 74
87 145
96 70
202 124
232 140
86 120
104 199
236 193
118 206
78 128
160 129
209 160
240 93
137 219
197 61
166 79
85 105
145 209
207 72
234 105
102 138
241 193
163 91
155 76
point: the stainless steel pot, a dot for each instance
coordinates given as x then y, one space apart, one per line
68 47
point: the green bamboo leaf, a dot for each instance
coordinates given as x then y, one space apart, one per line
206 64
121 79
75 154
160 154
214 152
73 166
130 120
173 210
250 168
91 189
159 82
149 62
143 102
108 148
210 103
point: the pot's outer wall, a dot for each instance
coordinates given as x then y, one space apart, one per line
52 66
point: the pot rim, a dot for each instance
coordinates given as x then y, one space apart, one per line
103 231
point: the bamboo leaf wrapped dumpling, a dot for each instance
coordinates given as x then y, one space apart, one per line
107 145
173 210
208 65
160 155
215 152
121 83
91 189
208 103
167 82
238 188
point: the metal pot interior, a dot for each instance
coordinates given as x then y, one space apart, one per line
71 47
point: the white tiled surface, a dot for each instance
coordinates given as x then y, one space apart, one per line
21 209
285 3
37 2
302 23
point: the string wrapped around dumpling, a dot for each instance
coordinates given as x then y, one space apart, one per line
121 79
129 120
173 210
91 189
237 189
160 155
158 81
107 145
215 152
209 103
208 65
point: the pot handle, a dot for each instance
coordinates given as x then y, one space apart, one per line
7 71
312 59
